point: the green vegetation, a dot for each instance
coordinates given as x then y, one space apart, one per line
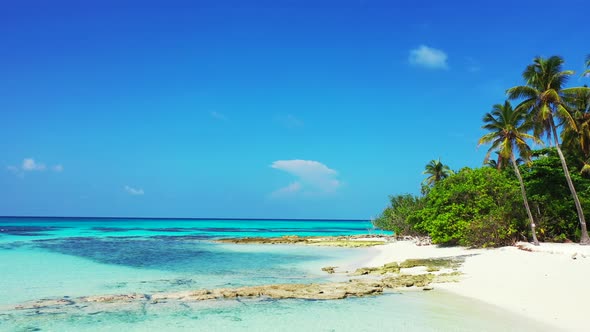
475 207
507 200
436 172
400 217
551 201
508 133
545 99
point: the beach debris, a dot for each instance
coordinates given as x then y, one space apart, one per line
571 251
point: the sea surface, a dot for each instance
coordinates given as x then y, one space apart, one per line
62 258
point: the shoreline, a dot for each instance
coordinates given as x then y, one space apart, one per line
533 283
547 284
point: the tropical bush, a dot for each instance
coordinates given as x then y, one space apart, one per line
401 216
475 207
551 201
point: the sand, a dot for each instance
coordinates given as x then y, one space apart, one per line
549 284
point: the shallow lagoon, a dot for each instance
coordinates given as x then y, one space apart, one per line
56 258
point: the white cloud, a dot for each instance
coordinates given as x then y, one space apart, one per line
218 116
134 191
312 177
428 57
29 164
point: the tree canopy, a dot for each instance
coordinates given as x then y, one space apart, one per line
483 206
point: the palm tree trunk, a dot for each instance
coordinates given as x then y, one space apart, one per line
526 201
584 239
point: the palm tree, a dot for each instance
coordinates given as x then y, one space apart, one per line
508 134
493 164
587 72
499 163
577 140
436 171
543 98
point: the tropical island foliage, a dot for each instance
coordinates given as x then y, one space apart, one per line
522 194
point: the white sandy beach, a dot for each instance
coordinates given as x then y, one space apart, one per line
549 285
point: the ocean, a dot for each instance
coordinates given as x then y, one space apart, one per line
62 258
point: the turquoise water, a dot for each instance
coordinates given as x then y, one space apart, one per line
57 258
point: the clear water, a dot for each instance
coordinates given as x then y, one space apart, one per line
54 258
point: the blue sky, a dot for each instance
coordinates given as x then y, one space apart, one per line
293 109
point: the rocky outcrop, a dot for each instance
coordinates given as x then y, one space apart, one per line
325 291
353 241
418 240
433 264
406 280
329 269
45 303
387 268
113 298
389 277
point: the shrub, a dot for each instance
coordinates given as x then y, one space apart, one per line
401 216
551 200
475 207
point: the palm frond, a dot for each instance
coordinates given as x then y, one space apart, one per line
522 92
567 118
585 169
508 129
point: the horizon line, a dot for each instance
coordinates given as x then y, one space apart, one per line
182 218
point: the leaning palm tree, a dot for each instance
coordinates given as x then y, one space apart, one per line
508 134
543 98
436 171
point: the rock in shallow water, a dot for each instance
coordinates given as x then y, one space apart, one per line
329 269
327 291
114 298
352 241
391 278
